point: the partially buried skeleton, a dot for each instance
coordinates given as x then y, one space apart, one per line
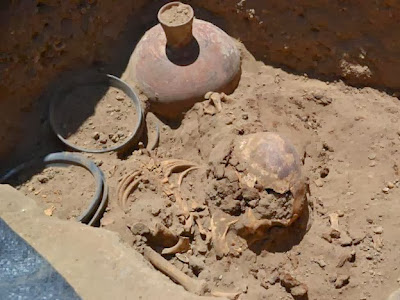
268 189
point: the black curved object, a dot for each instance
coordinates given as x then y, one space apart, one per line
25 274
107 80
95 210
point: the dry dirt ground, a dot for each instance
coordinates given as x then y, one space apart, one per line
349 139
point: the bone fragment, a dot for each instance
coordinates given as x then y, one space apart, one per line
182 246
192 285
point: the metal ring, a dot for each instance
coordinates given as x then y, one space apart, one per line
111 81
98 203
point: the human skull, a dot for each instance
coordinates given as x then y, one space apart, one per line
270 162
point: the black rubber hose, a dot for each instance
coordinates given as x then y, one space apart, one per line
99 79
98 203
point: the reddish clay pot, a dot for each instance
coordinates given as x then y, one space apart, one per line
176 65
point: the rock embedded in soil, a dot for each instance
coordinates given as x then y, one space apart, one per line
139 229
347 257
357 236
378 230
319 182
42 178
299 291
292 285
320 262
345 240
335 234
341 281
155 211
98 162
114 138
327 237
390 185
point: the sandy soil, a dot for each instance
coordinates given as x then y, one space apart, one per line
112 117
176 15
349 139
63 192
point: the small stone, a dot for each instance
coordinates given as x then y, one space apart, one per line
352 256
378 230
369 256
342 260
120 134
253 203
390 185
273 279
332 278
357 235
139 229
49 212
120 97
372 164
320 262
115 138
245 116
370 221
335 234
264 202
327 237
372 156
231 174
341 281
155 211
42 178
318 95
385 190
319 182
345 240
249 194
327 147
296 288
103 141
299 291
98 162
324 172
219 172
96 136
340 213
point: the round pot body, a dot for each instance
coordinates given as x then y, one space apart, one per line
174 78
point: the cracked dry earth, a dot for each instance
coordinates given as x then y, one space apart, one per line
344 246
